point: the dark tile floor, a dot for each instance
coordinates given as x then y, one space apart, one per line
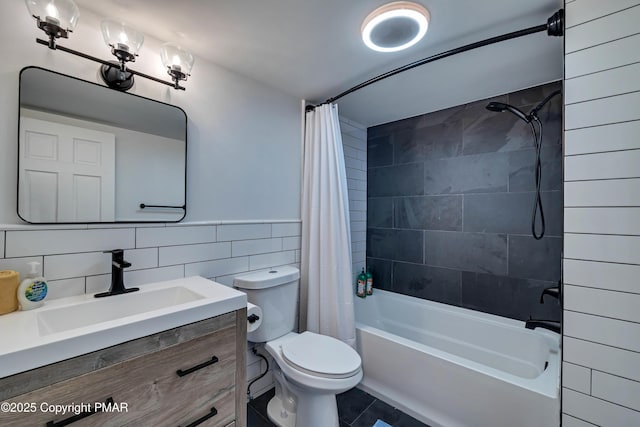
355 409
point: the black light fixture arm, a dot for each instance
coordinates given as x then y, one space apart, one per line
553 27
105 63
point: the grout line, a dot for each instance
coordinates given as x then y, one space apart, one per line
365 410
568 104
603 70
602 16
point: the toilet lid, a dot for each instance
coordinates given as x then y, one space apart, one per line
321 355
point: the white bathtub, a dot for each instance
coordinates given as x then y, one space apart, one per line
452 367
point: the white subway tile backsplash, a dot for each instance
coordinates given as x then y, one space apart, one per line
172 255
77 265
602 30
94 263
357 205
65 288
99 283
576 377
48 242
598 139
616 390
601 357
615 277
617 53
290 243
219 267
598 411
20 265
594 247
610 192
602 220
161 274
228 232
603 111
601 84
587 10
271 260
256 246
170 236
603 330
286 229
617 305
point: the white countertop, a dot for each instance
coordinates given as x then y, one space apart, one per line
26 343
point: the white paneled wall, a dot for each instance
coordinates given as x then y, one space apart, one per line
354 142
601 343
73 261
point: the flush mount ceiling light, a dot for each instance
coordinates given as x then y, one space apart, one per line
395 26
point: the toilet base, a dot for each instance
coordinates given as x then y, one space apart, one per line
318 411
278 415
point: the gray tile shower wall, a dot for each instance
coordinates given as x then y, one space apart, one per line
449 200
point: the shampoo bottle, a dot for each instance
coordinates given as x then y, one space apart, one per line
361 285
33 289
369 282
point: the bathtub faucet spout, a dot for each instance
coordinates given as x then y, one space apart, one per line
552 325
554 291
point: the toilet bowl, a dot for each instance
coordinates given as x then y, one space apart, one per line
314 368
310 368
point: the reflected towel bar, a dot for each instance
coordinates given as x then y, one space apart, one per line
144 206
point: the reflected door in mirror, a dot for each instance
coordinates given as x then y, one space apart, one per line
68 173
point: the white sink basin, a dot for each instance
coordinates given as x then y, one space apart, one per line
77 325
111 308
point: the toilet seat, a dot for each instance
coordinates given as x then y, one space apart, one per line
321 356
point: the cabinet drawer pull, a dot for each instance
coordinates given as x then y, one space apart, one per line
182 373
79 416
204 418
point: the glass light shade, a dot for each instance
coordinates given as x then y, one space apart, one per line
122 37
176 59
395 26
63 13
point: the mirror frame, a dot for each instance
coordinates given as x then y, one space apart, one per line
184 206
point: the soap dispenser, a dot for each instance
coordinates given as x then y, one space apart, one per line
32 290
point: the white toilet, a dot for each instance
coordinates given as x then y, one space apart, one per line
311 368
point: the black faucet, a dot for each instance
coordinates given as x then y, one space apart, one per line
552 325
118 264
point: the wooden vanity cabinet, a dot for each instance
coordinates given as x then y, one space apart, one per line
193 375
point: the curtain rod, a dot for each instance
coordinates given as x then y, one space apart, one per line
553 27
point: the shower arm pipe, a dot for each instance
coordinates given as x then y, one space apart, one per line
553 27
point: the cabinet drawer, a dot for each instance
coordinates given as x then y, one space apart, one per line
153 392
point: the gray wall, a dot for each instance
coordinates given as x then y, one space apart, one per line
449 198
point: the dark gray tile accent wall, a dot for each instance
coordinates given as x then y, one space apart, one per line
449 202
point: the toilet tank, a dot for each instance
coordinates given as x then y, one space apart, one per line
276 293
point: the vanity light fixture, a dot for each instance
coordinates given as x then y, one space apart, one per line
178 62
125 43
395 26
57 18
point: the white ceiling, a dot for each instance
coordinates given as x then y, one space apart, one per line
312 48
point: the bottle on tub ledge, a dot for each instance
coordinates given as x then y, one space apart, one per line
369 286
361 285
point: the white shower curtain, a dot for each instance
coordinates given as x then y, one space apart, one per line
326 233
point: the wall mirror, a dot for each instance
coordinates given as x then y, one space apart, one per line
90 154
